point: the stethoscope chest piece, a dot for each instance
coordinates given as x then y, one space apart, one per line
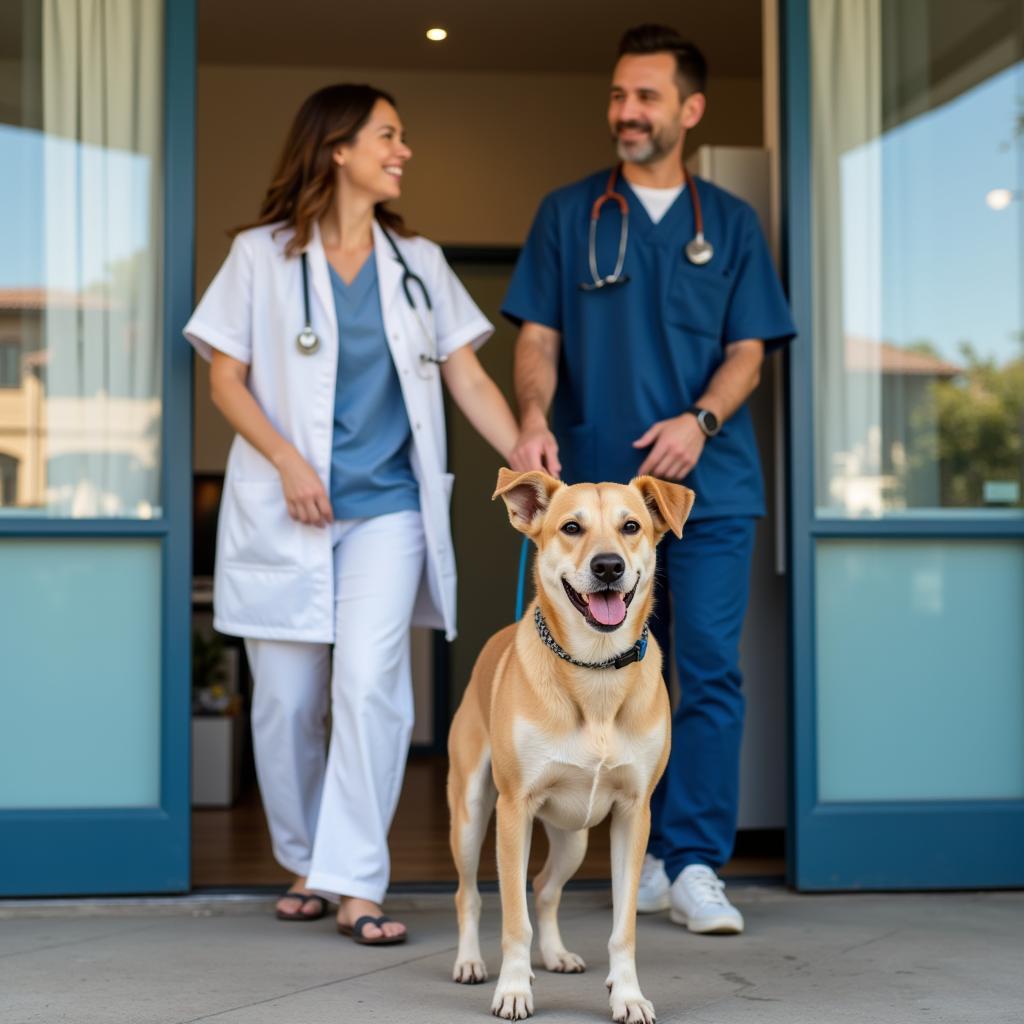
307 341
698 250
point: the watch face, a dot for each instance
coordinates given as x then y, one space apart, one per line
709 421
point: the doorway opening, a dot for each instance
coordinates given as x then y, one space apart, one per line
498 115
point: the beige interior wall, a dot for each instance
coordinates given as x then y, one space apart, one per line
486 147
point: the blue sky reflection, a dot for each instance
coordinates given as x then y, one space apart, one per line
93 203
937 263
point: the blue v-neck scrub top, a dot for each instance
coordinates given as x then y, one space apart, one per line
645 351
371 471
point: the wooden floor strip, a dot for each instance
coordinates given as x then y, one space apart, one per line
231 848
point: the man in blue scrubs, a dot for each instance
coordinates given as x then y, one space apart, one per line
651 375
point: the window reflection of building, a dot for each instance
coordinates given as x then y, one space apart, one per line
20 339
906 248
8 478
10 359
47 439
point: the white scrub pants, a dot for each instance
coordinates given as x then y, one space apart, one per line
329 817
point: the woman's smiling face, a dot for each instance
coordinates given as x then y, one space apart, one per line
373 162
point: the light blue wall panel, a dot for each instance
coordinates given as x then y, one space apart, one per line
920 667
80 665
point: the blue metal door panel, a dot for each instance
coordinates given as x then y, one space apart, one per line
853 846
145 850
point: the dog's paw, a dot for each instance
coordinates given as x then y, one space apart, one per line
633 1009
469 972
512 1003
563 962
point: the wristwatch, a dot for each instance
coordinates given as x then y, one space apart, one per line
706 420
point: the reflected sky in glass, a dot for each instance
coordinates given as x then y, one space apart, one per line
950 267
26 157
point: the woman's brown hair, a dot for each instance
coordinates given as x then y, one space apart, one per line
302 188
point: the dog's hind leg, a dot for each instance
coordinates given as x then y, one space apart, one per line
565 854
471 797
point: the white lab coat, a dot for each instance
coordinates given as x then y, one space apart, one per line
274 577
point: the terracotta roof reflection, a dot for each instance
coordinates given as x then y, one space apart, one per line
45 298
870 356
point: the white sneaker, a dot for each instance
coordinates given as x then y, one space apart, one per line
652 895
698 901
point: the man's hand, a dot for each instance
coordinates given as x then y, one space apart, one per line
536 449
677 446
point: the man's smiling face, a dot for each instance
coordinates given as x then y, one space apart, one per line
650 109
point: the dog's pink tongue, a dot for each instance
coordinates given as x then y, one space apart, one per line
607 607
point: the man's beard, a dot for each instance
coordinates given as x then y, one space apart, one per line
644 151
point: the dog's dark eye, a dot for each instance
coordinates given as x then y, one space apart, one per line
572 528
630 526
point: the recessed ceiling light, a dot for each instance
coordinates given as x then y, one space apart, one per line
435 35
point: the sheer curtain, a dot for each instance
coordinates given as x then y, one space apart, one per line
846 126
103 121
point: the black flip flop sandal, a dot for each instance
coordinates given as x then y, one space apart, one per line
356 931
298 915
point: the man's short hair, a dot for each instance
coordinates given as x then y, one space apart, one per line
691 67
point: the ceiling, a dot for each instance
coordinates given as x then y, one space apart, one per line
509 36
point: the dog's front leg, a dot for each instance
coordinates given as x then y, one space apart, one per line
631 826
513 996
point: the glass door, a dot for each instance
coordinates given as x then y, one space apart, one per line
905 155
96 125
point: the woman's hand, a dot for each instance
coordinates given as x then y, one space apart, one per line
304 494
536 448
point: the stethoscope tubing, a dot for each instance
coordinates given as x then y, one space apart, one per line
698 250
308 342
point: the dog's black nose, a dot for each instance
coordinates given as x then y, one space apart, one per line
608 568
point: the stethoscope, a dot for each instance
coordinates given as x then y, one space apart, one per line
308 341
698 249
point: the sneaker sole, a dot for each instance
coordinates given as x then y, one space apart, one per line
713 926
654 908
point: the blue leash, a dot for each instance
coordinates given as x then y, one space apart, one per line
521 586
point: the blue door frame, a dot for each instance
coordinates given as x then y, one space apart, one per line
836 846
67 852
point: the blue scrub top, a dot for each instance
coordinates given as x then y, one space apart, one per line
371 473
644 351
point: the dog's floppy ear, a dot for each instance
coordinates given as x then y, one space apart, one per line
669 504
526 496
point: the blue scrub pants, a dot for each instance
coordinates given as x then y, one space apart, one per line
707 574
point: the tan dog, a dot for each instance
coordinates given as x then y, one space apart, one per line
565 741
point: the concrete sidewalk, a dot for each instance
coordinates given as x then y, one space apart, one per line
870 959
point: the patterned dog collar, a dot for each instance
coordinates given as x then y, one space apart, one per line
635 653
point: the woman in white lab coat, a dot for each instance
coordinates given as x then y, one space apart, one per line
330 327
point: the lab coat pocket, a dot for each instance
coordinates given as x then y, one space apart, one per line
698 299
258 530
